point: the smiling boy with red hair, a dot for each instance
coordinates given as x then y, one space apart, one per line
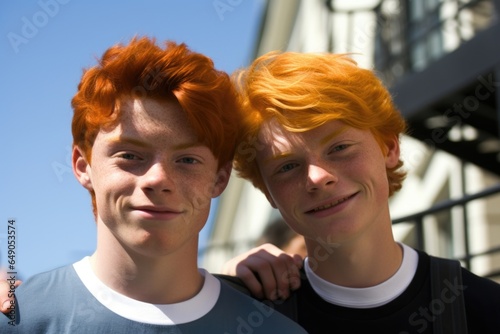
154 134
322 144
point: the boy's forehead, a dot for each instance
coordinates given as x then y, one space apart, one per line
273 133
275 141
154 113
164 120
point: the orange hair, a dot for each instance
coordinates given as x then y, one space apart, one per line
143 69
303 91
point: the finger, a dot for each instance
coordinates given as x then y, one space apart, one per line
265 270
294 271
272 272
298 260
290 278
254 270
251 281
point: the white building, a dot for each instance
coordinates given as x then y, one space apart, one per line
408 43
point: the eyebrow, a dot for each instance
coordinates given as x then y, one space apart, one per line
332 135
128 140
277 157
323 141
140 143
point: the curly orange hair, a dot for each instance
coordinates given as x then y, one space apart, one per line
303 91
144 69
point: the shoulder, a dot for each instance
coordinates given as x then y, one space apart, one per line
43 295
480 290
251 315
470 283
233 282
469 280
482 303
62 279
286 307
481 295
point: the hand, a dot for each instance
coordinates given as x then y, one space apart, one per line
6 302
267 271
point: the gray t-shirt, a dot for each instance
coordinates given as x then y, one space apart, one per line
71 299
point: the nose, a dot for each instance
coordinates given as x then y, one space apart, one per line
318 177
158 178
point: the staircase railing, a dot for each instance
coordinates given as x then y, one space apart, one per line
418 218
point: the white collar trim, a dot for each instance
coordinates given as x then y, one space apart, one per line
370 297
158 314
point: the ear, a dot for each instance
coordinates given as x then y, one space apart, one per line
223 175
81 168
393 152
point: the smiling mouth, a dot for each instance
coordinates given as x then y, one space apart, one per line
153 210
327 206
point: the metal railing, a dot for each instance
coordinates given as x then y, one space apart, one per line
418 219
412 35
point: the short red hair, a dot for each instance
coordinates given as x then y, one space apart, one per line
144 69
303 91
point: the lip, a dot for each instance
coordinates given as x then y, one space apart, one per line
156 212
331 206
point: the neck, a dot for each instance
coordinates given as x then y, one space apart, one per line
160 279
357 263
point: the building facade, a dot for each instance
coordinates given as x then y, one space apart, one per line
441 62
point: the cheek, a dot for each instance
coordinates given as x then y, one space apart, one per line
280 191
287 200
374 167
375 178
198 191
112 186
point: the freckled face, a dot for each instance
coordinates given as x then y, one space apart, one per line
329 182
153 180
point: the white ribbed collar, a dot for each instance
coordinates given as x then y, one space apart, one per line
165 314
374 296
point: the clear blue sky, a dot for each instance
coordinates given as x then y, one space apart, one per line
45 45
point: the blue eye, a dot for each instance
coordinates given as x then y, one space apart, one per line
287 167
188 160
128 156
340 147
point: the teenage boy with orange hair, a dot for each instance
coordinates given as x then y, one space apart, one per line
154 134
322 144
